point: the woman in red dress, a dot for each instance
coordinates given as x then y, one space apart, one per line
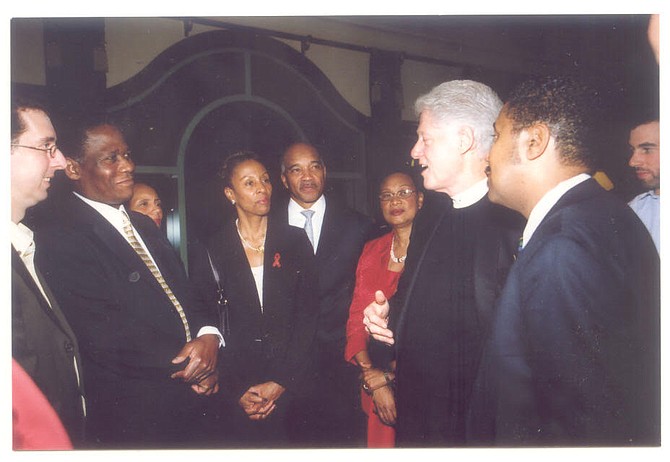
379 268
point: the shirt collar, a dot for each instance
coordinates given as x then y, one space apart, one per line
319 206
651 194
116 216
545 204
472 195
22 238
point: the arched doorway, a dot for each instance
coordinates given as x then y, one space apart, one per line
217 92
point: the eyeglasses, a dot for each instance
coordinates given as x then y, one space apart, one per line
51 150
402 194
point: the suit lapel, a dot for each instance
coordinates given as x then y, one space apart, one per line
329 232
116 244
51 307
55 308
228 256
430 229
163 256
585 189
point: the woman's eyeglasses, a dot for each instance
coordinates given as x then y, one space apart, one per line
401 194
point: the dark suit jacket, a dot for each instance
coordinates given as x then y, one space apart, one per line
45 346
343 234
497 235
128 329
330 412
274 345
573 356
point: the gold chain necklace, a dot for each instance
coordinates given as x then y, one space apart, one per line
259 249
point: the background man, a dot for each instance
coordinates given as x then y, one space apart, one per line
645 147
122 285
457 260
337 235
42 341
573 355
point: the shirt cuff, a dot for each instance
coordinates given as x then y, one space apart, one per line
212 330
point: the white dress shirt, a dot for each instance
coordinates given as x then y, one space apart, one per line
257 272
297 219
23 243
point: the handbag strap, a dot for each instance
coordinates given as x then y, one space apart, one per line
214 271
222 301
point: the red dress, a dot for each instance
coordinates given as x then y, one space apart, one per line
372 274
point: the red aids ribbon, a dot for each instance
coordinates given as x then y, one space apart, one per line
277 262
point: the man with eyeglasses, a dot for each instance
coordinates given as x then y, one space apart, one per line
461 249
43 342
333 417
149 348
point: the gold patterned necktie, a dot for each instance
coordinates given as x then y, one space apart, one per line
130 234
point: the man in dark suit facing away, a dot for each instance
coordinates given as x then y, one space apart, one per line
573 357
337 234
42 341
148 348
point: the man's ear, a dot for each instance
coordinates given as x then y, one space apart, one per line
466 139
537 140
284 180
72 169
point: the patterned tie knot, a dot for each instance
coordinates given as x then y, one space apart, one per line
308 214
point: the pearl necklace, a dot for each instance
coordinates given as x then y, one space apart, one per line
259 249
395 259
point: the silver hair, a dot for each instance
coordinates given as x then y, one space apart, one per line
464 101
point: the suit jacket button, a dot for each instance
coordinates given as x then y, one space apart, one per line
69 348
134 276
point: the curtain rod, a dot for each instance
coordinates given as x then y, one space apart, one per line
307 40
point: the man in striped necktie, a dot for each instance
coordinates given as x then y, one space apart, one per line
148 346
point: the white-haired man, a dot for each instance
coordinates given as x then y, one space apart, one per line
459 255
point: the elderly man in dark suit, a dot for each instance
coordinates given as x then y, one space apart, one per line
337 234
42 341
573 355
461 249
147 346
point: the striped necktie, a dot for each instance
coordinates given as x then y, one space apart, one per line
132 239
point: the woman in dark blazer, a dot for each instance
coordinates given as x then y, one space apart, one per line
265 272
